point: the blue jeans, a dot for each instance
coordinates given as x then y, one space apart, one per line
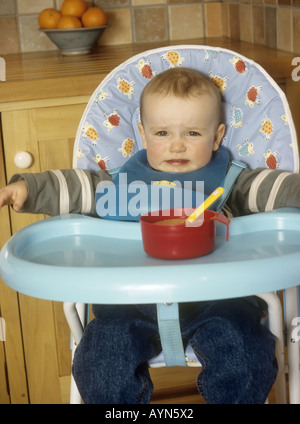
237 352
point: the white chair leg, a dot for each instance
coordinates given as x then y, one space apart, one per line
276 328
75 398
292 317
76 317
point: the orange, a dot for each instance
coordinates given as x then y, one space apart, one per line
73 8
48 18
94 17
67 22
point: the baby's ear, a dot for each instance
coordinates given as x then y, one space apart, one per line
142 134
219 137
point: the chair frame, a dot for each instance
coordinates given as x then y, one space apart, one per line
75 313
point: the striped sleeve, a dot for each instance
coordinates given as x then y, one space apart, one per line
263 190
59 192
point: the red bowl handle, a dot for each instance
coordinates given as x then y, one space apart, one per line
219 216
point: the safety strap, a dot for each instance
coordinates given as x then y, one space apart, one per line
170 334
234 171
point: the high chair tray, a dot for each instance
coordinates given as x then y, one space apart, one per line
82 259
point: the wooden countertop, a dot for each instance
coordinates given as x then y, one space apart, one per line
46 75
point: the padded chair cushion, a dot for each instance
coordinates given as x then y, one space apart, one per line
259 127
191 359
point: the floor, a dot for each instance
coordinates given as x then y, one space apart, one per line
185 391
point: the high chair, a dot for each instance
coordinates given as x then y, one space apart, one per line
259 133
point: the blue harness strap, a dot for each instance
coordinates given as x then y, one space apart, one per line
234 171
170 335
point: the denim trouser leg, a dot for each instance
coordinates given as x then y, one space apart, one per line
236 351
110 363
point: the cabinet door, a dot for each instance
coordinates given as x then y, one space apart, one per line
47 133
13 384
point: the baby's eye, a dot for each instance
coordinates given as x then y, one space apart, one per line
193 133
161 133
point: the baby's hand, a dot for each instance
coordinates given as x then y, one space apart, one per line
15 194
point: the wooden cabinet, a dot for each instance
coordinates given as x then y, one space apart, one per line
41 104
11 301
38 335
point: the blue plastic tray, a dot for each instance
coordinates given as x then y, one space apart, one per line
82 259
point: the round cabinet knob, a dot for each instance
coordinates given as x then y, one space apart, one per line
23 160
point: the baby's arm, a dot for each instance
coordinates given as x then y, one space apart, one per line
262 190
15 194
53 192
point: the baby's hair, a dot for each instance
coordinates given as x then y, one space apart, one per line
183 83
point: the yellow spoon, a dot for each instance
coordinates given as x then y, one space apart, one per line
211 199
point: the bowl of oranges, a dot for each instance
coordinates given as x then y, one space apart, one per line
75 28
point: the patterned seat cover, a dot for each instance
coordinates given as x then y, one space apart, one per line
259 126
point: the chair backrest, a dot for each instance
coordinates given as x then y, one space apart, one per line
259 125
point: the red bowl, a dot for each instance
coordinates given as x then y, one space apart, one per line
180 241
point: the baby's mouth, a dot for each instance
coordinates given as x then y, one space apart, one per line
177 162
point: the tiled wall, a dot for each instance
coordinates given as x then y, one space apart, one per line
274 23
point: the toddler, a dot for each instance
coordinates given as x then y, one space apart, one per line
181 129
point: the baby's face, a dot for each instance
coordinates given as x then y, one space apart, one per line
180 134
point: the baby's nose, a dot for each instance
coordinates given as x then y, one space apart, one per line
177 145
